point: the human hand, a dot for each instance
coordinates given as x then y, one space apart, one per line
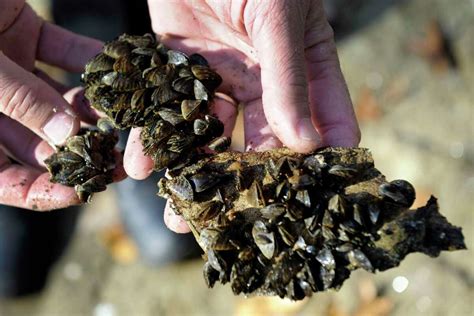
278 58
34 109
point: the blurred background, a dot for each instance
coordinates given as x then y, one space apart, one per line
409 66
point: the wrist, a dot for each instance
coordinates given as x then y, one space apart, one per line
9 12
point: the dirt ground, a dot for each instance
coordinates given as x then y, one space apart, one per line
416 111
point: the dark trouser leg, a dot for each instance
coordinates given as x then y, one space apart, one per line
142 213
30 242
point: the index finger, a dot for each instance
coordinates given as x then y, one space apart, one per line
67 50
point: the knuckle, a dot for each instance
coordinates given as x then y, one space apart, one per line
9 13
18 102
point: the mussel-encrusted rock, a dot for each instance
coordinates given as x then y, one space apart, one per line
275 222
290 224
86 162
138 82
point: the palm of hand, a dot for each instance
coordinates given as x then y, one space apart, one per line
193 26
277 58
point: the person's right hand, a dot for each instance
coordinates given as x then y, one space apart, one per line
276 57
34 112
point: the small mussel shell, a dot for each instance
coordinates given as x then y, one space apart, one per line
200 126
204 181
146 40
197 59
342 171
398 191
208 237
190 110
208 211
358 259
120 82
200 91
315 163
216 127
100 62
177 58
286 235
207 76
117 49
264 239
181 187
211 275
124 65
95 184
106 125
145 51
171 116
184 85
273 211
337 205
326 258
220 144
159 75
179 142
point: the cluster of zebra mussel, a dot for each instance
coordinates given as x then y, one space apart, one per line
275 222
86 162
287 224
138 82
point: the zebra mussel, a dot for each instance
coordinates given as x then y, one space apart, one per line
86 162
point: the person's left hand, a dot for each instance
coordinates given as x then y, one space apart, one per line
35 110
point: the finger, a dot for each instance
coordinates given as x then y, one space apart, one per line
28 188
33 103
137 165
258 134
20 40
61 88
23 145
65 49
331 105
225 108
119 173
175 222
9 11
75 97
280 46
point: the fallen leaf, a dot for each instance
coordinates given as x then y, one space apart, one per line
422 196
119 245
367 107
435 48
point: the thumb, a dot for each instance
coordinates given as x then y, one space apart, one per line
279 39
34 104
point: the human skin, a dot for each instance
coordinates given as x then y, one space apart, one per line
35 111
277 58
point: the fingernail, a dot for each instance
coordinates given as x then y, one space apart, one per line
59 127
307 132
